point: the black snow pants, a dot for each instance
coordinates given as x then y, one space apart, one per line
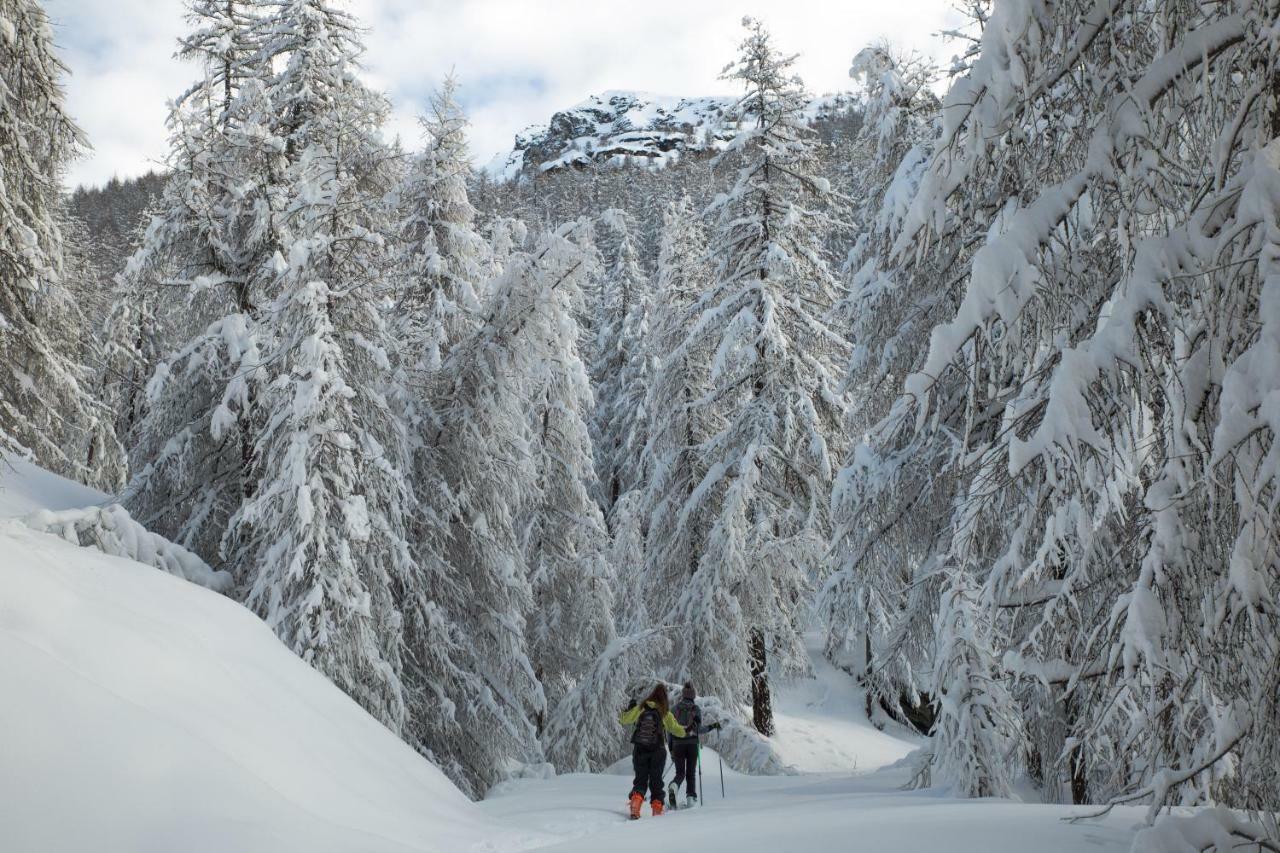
649 762
685 757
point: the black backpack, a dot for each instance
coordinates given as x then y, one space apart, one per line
687 716
648 728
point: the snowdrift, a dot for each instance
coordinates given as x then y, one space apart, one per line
82 516
27 488
141 712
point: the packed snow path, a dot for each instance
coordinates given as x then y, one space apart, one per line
810 812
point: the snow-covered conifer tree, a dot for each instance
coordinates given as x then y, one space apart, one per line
441 268
972 746
485 446
47 409
1094 389
635 587
621 366
774 375
445 259
887 507
213 241
571 622
683 415
321 543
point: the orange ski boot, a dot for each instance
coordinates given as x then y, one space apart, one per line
637 800
656 805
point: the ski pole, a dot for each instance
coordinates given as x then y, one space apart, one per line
721 775
701 785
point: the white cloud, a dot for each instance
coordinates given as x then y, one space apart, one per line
518 60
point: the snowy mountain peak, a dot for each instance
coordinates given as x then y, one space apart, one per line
622 127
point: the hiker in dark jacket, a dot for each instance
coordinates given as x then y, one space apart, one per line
649 754
684 750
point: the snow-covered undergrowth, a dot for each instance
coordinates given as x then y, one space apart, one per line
111 530
82 516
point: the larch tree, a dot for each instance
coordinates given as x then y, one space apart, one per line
441 266
776 375
620 366
897 495
485 444
1096 394
211 247
683 417
591 640
47 410
571 622
445 258
321 543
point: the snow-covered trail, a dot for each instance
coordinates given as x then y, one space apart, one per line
848 796
810 812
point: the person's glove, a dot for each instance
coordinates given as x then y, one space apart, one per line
713 727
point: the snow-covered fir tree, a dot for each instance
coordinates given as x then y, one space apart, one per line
445 259
440 269
775 374
487 406
212 243
897 495
974 744
683 416
621 364
47 406
320 546
1094 392
571 622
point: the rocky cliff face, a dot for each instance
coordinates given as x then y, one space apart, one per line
630 128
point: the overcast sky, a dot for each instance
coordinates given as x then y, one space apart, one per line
518 61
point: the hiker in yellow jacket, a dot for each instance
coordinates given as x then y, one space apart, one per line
649 752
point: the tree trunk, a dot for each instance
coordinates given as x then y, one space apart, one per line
866 668
227 69
761 704
1075 759
1275 101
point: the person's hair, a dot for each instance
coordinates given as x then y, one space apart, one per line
659 698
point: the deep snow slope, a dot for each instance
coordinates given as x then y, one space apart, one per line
140 712
26 488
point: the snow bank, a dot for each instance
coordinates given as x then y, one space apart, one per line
26 488
143 713
742 747
1205 829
